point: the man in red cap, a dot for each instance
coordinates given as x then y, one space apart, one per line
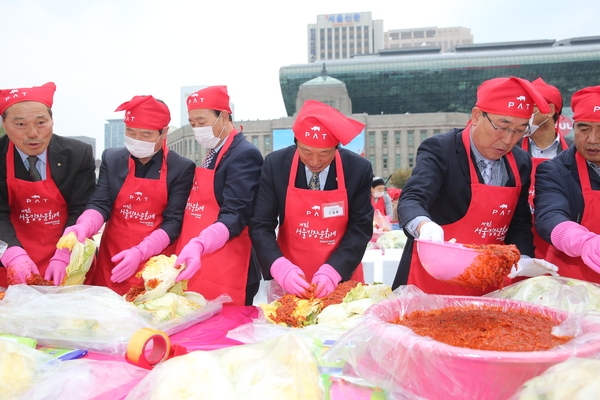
567 198
45 183
320 195
472 184
141 193
214 244
543 143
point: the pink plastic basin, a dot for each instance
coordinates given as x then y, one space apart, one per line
444 261
421 366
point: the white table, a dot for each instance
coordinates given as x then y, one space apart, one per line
381 266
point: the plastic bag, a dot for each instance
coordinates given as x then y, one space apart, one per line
395 239
85 317
394 358
280 368
573 379
381 225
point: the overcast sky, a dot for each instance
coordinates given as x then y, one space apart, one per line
100 53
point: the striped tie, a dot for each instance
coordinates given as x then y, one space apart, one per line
314 182
33 172
208 159
487 171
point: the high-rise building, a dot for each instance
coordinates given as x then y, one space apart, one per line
444 38
89 140
341 36
114 133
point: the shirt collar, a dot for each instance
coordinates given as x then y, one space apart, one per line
42 157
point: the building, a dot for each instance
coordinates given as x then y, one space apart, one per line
444 38
341 36
114 133
89 140
419 81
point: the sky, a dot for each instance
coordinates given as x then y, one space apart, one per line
101 53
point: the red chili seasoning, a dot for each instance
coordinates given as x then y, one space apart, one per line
338 294
485 328
134 291
490 267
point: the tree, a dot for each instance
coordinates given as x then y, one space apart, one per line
400 176
2 131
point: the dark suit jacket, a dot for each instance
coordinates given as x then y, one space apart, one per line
114 170
558 195
236 186
439 188
270 206
72 167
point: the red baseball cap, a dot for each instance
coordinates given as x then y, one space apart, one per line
510 96
211 98
550 93
145 112
320 125
42 94
585 104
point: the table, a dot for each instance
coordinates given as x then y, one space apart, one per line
381 266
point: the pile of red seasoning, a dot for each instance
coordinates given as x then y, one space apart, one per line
490 267
485 328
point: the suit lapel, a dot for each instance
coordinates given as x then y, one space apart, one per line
57 161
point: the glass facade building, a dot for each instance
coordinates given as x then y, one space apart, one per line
447 82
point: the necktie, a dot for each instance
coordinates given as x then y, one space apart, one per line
33 172
314 182
208 159
487 171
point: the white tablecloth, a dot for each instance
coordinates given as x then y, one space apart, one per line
380 267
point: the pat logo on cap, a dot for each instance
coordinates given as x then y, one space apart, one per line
211 98
585 104
320 125
42 94
145 112
510 96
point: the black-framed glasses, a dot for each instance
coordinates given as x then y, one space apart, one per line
519 132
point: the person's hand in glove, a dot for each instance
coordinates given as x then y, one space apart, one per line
532 267
326 279
57 268
577 241
19 266
128 261
431 231
289 276
88 224
210 239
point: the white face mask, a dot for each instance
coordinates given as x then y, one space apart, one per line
377 194
140 148
205 137
532 127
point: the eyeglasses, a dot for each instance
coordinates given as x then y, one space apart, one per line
519 132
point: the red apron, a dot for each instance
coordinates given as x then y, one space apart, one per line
136 213
541 246
38 212
573 267
315 223
224 270
378 205
486 222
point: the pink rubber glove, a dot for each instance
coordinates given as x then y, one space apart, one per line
289 276
577 241
88 224
129 260
210 239
326 279
57 268
19 266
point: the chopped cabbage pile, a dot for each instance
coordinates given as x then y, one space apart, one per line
573 379
82 256
567 294
395 239
162 297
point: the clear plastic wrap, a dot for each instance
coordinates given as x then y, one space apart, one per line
407 365
281 368
567 294
87 317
